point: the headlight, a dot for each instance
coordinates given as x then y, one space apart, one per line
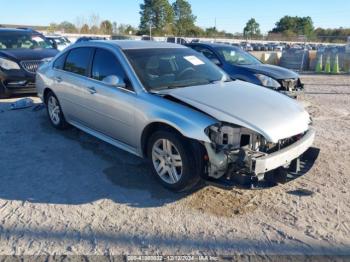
268 81
8 64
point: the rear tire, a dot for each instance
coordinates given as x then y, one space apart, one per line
54 112
173 161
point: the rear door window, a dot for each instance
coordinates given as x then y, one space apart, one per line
78 61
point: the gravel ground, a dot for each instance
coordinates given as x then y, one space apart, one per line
69 193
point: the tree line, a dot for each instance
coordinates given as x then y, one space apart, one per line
160 18
92 25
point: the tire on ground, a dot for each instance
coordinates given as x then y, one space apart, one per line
190 155
62 124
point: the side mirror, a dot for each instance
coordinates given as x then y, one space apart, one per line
216 61
114 80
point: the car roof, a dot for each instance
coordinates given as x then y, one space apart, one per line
214 45
15 30
135 44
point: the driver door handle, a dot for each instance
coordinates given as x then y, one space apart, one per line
92 90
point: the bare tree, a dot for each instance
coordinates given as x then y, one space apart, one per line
94 20
79 22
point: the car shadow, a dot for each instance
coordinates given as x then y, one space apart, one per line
43 165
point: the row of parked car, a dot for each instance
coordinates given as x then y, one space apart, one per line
278 47
23 50
181 107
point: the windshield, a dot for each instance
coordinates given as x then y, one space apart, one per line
23 41
235 56
160 69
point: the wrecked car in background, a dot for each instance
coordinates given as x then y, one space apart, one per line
241 65
171 105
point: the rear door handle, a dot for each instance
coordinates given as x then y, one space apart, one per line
92 90
58 79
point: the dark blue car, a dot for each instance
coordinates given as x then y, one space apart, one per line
244 66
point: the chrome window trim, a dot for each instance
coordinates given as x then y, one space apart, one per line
99 82
90 78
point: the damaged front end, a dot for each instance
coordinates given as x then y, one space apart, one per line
291 87
239 154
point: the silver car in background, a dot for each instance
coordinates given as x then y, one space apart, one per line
171 105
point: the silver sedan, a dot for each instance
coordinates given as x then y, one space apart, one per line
171 105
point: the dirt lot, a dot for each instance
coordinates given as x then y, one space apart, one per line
69 193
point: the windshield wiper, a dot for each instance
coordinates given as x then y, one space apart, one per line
192 83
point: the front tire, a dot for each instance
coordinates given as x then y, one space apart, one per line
54 112
173 161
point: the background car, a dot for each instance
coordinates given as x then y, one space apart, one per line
176 40
89 38
61 42
244 66
121 37
247 46
21 53
147 38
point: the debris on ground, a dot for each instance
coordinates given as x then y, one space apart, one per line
22 104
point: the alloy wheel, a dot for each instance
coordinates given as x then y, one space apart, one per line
167 161
54 110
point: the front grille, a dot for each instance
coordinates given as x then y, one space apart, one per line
31 66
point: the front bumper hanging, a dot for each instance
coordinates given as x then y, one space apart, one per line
292 161
283 157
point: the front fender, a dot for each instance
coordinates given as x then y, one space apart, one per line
191 123
187 128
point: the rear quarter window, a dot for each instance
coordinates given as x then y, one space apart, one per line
59 63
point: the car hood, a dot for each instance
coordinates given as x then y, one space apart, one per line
264 111
275 72
28 54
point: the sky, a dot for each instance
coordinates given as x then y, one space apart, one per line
230 15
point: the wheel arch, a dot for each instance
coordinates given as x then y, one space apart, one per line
47 90
198 148
152 128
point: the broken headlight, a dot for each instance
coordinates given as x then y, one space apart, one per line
227 136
